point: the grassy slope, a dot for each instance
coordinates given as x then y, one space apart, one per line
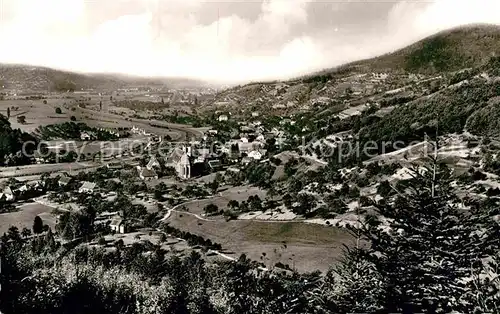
447 51
450 50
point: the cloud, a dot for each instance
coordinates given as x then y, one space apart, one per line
250 41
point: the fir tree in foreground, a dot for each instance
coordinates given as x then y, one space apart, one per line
424 255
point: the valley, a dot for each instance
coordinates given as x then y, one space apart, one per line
338 182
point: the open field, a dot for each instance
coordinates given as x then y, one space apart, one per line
25 215
236 193
306 246
178 132
38 169
36 112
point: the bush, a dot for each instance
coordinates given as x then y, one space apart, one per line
21 119
211 209
230 215
101 241
72 118
58 110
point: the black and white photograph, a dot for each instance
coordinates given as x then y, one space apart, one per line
249 156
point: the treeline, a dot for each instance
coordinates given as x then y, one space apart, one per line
12 142
192 239
73 131
486 121
451 108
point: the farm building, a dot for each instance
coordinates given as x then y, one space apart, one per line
147 174
118 225
64 180
87 187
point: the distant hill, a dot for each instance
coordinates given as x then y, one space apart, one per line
442 54
35 78
449 50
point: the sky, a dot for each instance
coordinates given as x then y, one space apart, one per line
221 41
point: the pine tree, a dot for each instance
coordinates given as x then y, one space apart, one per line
37 225
49 241
428 246
352 286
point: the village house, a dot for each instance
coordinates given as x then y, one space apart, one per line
39 157
246 129
233 169
245 147
147 174
87 187
246 160
255 155
321 101
214 165
115 166
24 188
85 136
153 163
223 118
260 138
8 194
118 225
226 149
180 161
64 180
136 130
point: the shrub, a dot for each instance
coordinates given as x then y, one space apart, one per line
58 110
21 119
211 209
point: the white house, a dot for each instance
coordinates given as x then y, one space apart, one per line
114 165
118 225
153 163
255 154
245 147
147 174
223 118
64 180
180 160
87 187
8 194
85 136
